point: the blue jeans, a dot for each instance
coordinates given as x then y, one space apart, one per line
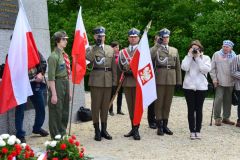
38 102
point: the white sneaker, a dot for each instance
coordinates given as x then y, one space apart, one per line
192 135
198 135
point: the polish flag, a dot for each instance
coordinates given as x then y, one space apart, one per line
22 55
80 44
143 72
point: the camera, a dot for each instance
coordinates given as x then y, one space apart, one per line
1 70
160 40
99 40
194 51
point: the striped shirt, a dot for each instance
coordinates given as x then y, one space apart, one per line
235 71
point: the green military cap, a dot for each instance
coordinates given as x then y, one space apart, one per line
59 35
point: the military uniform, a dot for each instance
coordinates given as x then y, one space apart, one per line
58 113
168 74
101 79
129 82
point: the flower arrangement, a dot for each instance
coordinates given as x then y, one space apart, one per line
11 147
65 148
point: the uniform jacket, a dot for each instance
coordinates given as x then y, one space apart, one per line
235 71
129 80
102 59
220 70
163 58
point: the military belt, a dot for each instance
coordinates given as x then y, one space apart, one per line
128 74
62 78
106 69
167 67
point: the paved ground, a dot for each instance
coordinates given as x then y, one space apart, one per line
217 142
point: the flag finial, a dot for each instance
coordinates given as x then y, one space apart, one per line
148 26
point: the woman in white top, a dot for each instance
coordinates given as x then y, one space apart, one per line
195 85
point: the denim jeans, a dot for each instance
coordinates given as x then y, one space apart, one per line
39 105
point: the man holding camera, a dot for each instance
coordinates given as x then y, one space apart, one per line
168 74
101 79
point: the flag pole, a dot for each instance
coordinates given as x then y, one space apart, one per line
118 88
71 107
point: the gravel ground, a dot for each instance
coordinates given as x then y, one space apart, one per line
216 143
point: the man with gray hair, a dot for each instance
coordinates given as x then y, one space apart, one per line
223 82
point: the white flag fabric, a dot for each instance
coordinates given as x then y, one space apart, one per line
143 72
22 55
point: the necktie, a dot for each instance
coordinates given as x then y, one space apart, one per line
67 62
131 48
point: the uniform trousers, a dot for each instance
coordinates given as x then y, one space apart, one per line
130 94
223 97
59 113
164 100
100 99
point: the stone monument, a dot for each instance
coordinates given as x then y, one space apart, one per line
37 14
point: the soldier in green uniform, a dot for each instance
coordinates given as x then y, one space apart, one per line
168 74
101 79
59 89
129 82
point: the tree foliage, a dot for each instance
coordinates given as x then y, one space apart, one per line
209 21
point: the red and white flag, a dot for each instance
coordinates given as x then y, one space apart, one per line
22 55
80 44
143 72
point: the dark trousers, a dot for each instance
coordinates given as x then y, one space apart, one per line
151 113
238 110
119 98
195 101
39 105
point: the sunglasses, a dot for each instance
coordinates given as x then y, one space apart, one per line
64 39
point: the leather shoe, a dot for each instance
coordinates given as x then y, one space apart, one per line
42 132
120 112
111 113
227 121
153 125
238 123
22 139
218 122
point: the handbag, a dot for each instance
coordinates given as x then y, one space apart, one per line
84 114
235 98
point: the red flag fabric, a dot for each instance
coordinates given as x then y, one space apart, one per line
143 72
80 44
22 55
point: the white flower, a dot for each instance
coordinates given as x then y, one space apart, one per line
18 141
57 137
23 145
1 138
2 143
53 143
11 140
5 136
47 143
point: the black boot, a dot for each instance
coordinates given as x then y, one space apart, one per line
151 117
104 132
160 127
165 128
97 132
136 135
130 133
